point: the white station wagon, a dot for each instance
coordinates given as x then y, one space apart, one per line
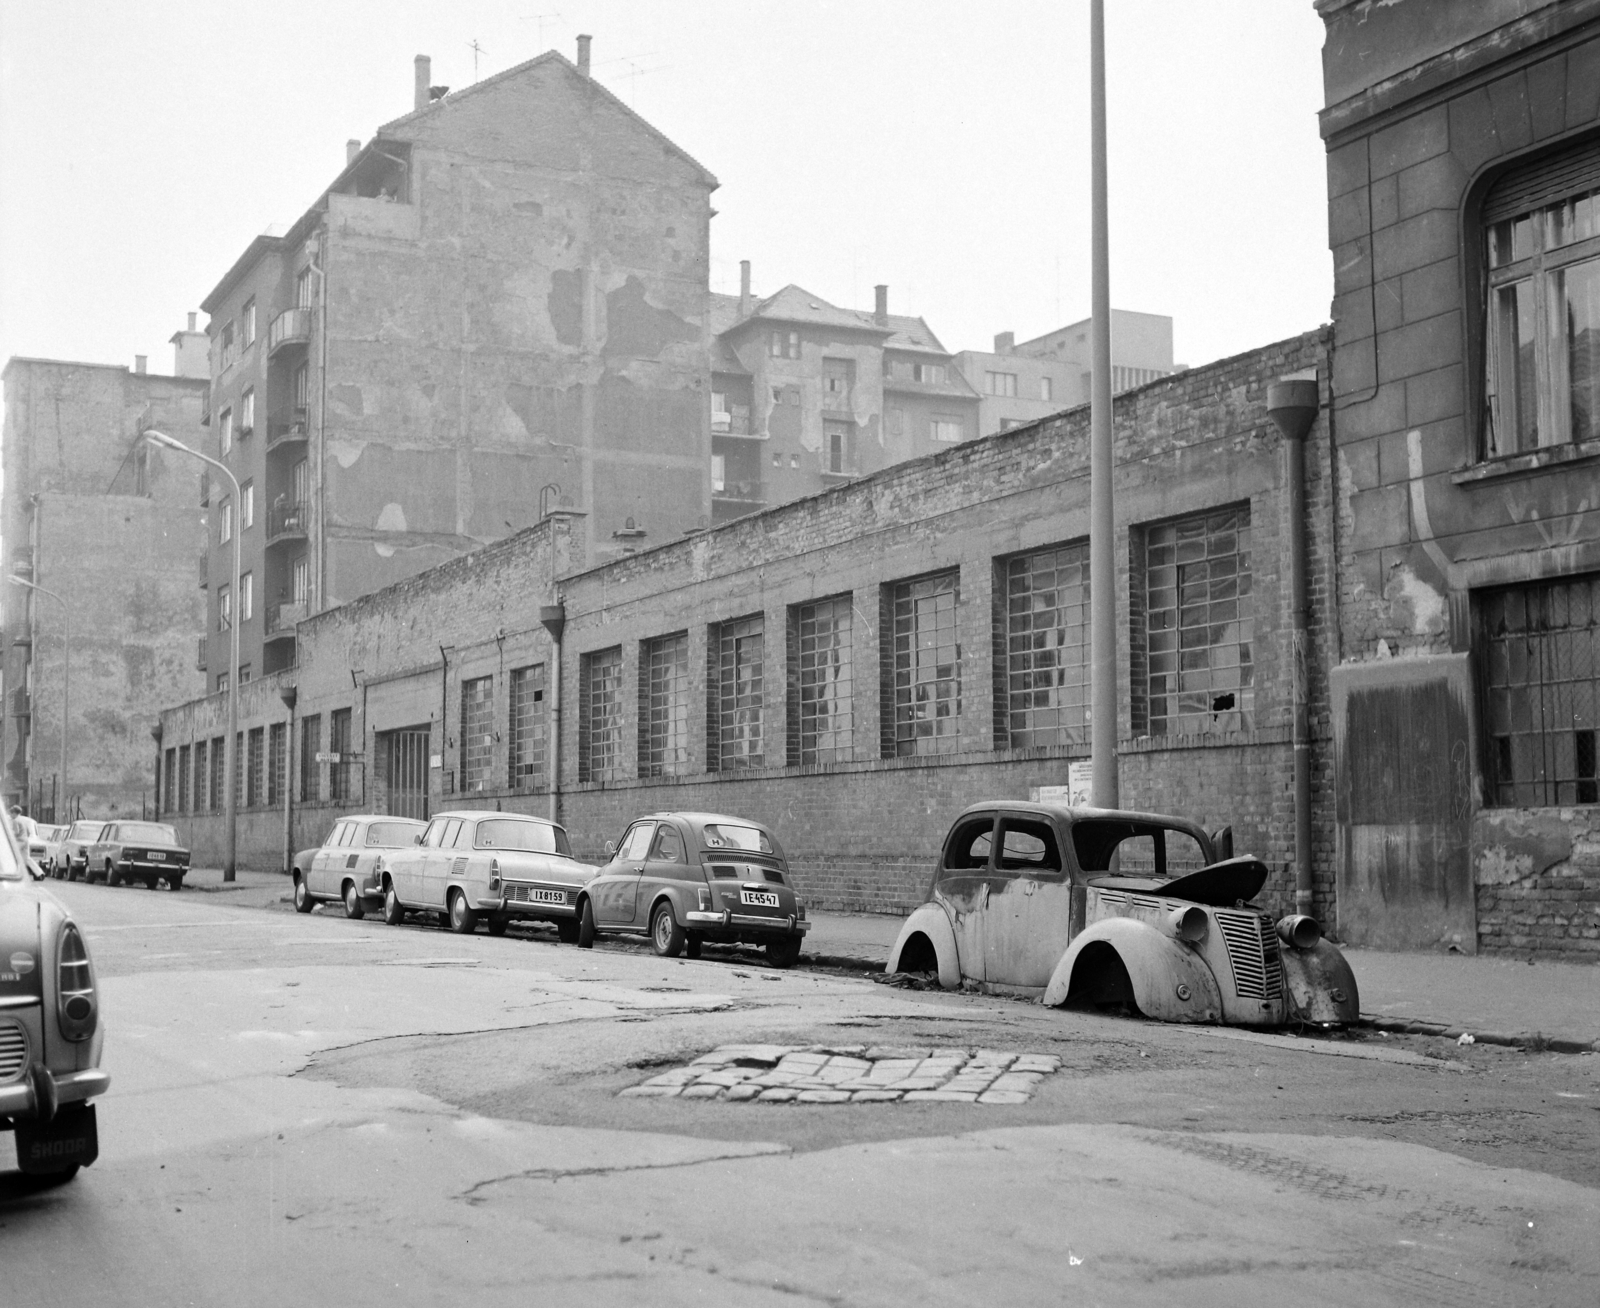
344 866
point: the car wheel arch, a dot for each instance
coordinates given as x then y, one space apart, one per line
932 923
1170 982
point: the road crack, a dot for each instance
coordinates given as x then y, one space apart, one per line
472 1196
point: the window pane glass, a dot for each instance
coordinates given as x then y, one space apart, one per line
740 647
927 666
477 740
1576 292
664 706
1047 646
527 745
824 669
1517 407
600 716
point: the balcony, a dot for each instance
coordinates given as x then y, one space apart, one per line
291 327
282 619
284 430
286 522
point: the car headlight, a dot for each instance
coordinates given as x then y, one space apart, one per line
1300 931
1188 924
76 1006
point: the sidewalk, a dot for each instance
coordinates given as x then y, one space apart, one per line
252 889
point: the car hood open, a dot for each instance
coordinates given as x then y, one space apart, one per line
1221 885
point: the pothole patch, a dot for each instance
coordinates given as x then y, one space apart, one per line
841 1074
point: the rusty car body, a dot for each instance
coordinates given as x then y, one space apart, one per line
1119 908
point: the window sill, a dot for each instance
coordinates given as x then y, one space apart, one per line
1515 465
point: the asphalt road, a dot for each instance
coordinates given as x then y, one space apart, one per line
312 1110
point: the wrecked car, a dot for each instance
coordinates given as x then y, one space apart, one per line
1140 911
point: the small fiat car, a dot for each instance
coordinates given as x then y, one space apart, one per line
50 1033
684 878
476 865
345 866
1119 909
76 846
138 851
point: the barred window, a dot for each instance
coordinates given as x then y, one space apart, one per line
218 775
169 774
735 684
339 774
664 706
1539 647
277 738
182 801
527 744
821 717
1044 699
255 787
924 666
477 733
310 747
202 777
1200 625
600 716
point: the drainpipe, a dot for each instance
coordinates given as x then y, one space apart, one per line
554 618
288 695
1293 404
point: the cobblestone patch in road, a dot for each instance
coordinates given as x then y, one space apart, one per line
859 1074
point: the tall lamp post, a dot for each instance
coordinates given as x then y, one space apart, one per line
66 680
230 749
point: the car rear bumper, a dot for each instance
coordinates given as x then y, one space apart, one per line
746 922
20 1101
141 868
525 908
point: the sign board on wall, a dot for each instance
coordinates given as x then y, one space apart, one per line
1075 794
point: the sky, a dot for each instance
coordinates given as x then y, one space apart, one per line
938 146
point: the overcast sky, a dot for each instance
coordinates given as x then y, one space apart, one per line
941 146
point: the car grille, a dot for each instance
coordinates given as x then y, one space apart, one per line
724 872
1253 953
13 1051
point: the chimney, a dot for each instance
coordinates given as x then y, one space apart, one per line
424 75
191 352
880 314
583 55
192 318
1004 342
352 148
744 288
139 362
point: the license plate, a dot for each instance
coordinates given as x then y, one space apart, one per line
156 856
758 898
536 895
71 1140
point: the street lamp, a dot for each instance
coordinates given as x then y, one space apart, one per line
66 679
230 749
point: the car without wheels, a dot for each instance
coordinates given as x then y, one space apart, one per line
139 851
345 866
1121 910
475 865
76 846
686 878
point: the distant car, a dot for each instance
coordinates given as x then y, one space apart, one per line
50 1033
686 878
51 836
35 839
498 866
138 851
76 844
1119 909
344 866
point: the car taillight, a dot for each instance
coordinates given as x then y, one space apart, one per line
494 874
75 997
705 898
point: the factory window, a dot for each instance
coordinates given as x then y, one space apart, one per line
821 717
277 738
224 607
247 322
1042 663
920 665
734 683
528 728
947 428
477 733
247 411
664 706
1539 649
341 770
1199 625
600 716
1046 390
310 764
169 774
255 770
225 429
202 777
247 600
218 763
181 800
1541 227
1000 383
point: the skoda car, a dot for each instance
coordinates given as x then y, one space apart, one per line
345 866
1119 909
684 878
50 1032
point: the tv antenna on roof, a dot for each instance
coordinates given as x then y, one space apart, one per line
540 19
476 51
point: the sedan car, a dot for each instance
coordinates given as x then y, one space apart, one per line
73 860
476 865
50 1032
345 865
138 851
50 837
685 878
1121 909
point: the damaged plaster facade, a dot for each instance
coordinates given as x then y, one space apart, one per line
1462 145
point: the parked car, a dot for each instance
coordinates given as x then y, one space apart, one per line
50 1032
77 844
35 841
478 864
1139 910
345 865
52 837
685 878
138 851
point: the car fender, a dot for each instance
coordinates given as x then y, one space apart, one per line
1321 986
1160 969
931 921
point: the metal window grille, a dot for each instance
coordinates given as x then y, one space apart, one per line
219 760
402 763
925 665
600 716
339 774
256 771
277 738
169 774
664 706
822 717
528 728
1200 625
737 650
310 769
240 794
1540 651
477 732
1045 698
202 777
181 800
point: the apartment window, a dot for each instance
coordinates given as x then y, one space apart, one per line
339 746
922 700
1046 390
719 472
244 673
247 605
302 288
528 728
600 716
836 449
300 480
664 706
247 322
227 344
784 345
224 607
225 520
301 579
1043 663
219 762
310 764
933 373
222 683
734 735
181 797
477 732
1539 650
1199 625
895 421
247 506
821 718
1000 383
302 387
1542 356
947 428
225 429
247 411
277 739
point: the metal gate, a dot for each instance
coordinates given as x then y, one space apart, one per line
404 755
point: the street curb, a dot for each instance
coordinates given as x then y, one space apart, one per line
845 962
1536 1041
